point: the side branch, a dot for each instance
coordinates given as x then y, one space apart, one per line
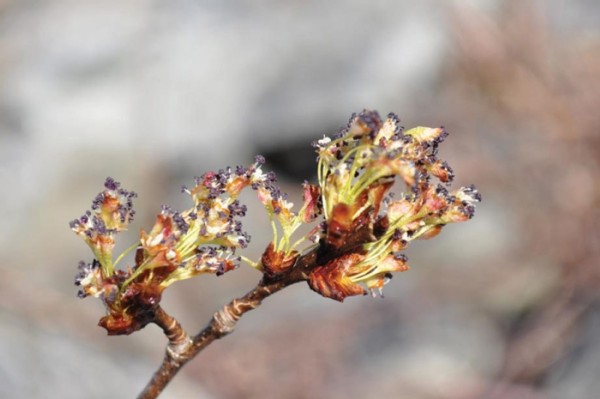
179 340
182 348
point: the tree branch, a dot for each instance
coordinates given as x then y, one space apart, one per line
179 340
182 349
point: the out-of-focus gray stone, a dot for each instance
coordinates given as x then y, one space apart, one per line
153 93
35 363
575 376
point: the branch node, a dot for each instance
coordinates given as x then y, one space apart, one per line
227 317
178 350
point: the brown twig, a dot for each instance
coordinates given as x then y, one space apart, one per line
182 348
179 340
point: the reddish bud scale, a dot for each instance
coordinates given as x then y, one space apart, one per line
311 209
332 280
125 323
339 226
345 232
134 308
277 262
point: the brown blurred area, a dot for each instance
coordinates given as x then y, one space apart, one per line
502 307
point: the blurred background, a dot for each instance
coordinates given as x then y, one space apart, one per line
154 93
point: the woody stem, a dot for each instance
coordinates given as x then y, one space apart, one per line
182 348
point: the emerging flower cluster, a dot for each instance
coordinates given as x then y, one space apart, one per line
356 170
358 243
202 239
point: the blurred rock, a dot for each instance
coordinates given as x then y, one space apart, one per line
153 94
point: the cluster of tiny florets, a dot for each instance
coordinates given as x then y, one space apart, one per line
357 169
358 244
180 245
111 212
